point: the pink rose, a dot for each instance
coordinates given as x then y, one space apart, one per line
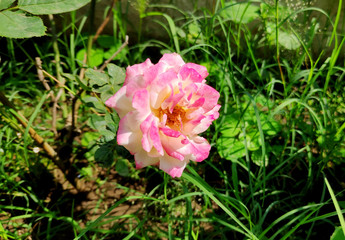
163 107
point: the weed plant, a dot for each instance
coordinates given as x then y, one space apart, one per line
276 166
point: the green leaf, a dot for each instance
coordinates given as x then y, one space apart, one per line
121 55
94 103
95 59
271 127
337 207
264 102
116 73
106 41
97 122
122 167
86 171
50 6
285 39
107 135
96 78
256 157
89 138
338 234
105 154
288 40
240 13
194 29
253 139
231 126
112 120
5 4
18 25
230 148
82 83
106 92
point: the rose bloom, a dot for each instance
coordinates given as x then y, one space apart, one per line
163 107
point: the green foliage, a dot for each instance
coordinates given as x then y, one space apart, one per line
242 131
104 84
104 50
338 234
240 12
39 7
18 24
5 4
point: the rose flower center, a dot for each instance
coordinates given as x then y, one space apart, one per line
174 119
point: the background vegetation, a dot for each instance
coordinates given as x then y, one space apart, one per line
276 169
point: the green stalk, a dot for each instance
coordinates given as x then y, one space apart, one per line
336 49
277 47
336 205
91 29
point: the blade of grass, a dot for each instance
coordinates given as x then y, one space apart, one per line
210 192
336 205
2 232
95 223
32 118
171 26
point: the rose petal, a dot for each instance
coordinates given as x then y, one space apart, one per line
173 60
191 74
136 70
199 68
210 94
141 101
170 133
128 137
201 123
172 166
143 160
120 102
155 138
199 149
151 136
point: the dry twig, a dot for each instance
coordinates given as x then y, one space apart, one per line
39 140
114 55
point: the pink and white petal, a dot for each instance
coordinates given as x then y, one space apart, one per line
141 101
145 129
137 69
201 124
155 153
127 137
142 159
195 114
166 103
120 102
210 94
173 60
172 166
199 149
155 138
170 132
158 97
162 87
198 103
199 68
151 74
137 83
190 74
173 146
